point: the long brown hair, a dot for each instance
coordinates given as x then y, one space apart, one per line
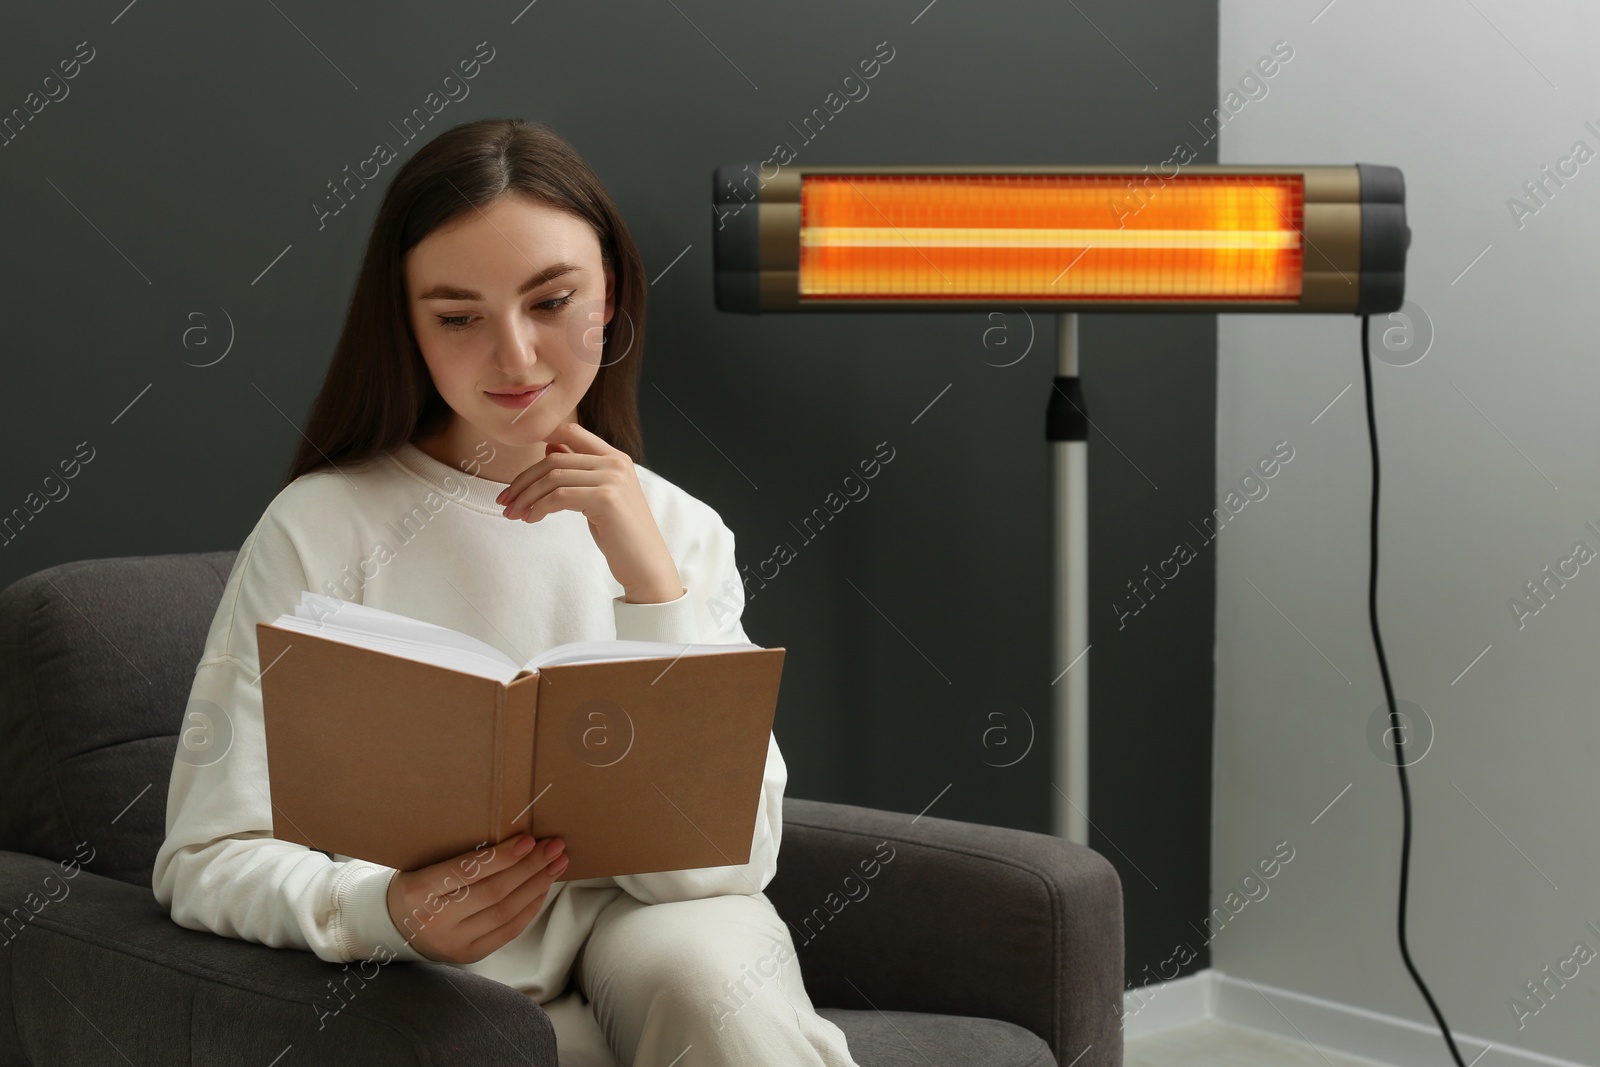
378 393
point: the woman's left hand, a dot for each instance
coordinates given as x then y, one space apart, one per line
582 472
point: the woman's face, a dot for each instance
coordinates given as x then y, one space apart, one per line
508 296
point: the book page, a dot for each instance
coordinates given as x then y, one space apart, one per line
425 642
597 651
396 634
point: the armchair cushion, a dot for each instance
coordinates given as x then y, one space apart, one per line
913 1039
97 658
100 972
962 920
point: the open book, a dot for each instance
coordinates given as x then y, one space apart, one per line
398 741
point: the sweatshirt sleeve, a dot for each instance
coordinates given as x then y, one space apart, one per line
709 612
219 868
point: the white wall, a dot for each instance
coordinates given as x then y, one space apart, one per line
1491 468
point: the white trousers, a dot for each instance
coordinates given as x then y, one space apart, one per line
696 983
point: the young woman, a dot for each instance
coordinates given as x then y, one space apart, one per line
474 459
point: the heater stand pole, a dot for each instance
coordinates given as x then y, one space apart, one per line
1067 430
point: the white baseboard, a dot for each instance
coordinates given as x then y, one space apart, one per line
1162 1006
1210 994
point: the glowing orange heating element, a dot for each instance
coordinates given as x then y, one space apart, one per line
1128 236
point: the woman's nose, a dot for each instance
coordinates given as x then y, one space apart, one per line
515 348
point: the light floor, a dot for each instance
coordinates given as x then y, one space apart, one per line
1211 1043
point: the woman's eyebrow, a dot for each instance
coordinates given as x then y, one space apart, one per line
453 292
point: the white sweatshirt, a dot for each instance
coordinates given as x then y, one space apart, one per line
410 534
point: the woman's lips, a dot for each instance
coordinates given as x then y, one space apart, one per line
518 400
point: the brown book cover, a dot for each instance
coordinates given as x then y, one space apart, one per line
637 765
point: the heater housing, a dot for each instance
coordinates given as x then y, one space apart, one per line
1323 239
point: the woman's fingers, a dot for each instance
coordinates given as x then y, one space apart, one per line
508 931
444 908
447 877
582 440
535 501
467 908
569 445
553 461
505 913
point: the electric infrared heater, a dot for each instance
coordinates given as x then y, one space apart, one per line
1319 239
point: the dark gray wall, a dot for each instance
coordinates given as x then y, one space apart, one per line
192 148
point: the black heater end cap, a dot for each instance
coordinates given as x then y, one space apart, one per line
736 238
1385 238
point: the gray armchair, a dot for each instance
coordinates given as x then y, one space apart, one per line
974 945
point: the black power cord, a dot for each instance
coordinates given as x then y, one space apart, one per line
1394 714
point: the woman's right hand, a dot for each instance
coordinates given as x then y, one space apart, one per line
460 910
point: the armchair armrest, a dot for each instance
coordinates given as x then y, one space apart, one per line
92 967
955 918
